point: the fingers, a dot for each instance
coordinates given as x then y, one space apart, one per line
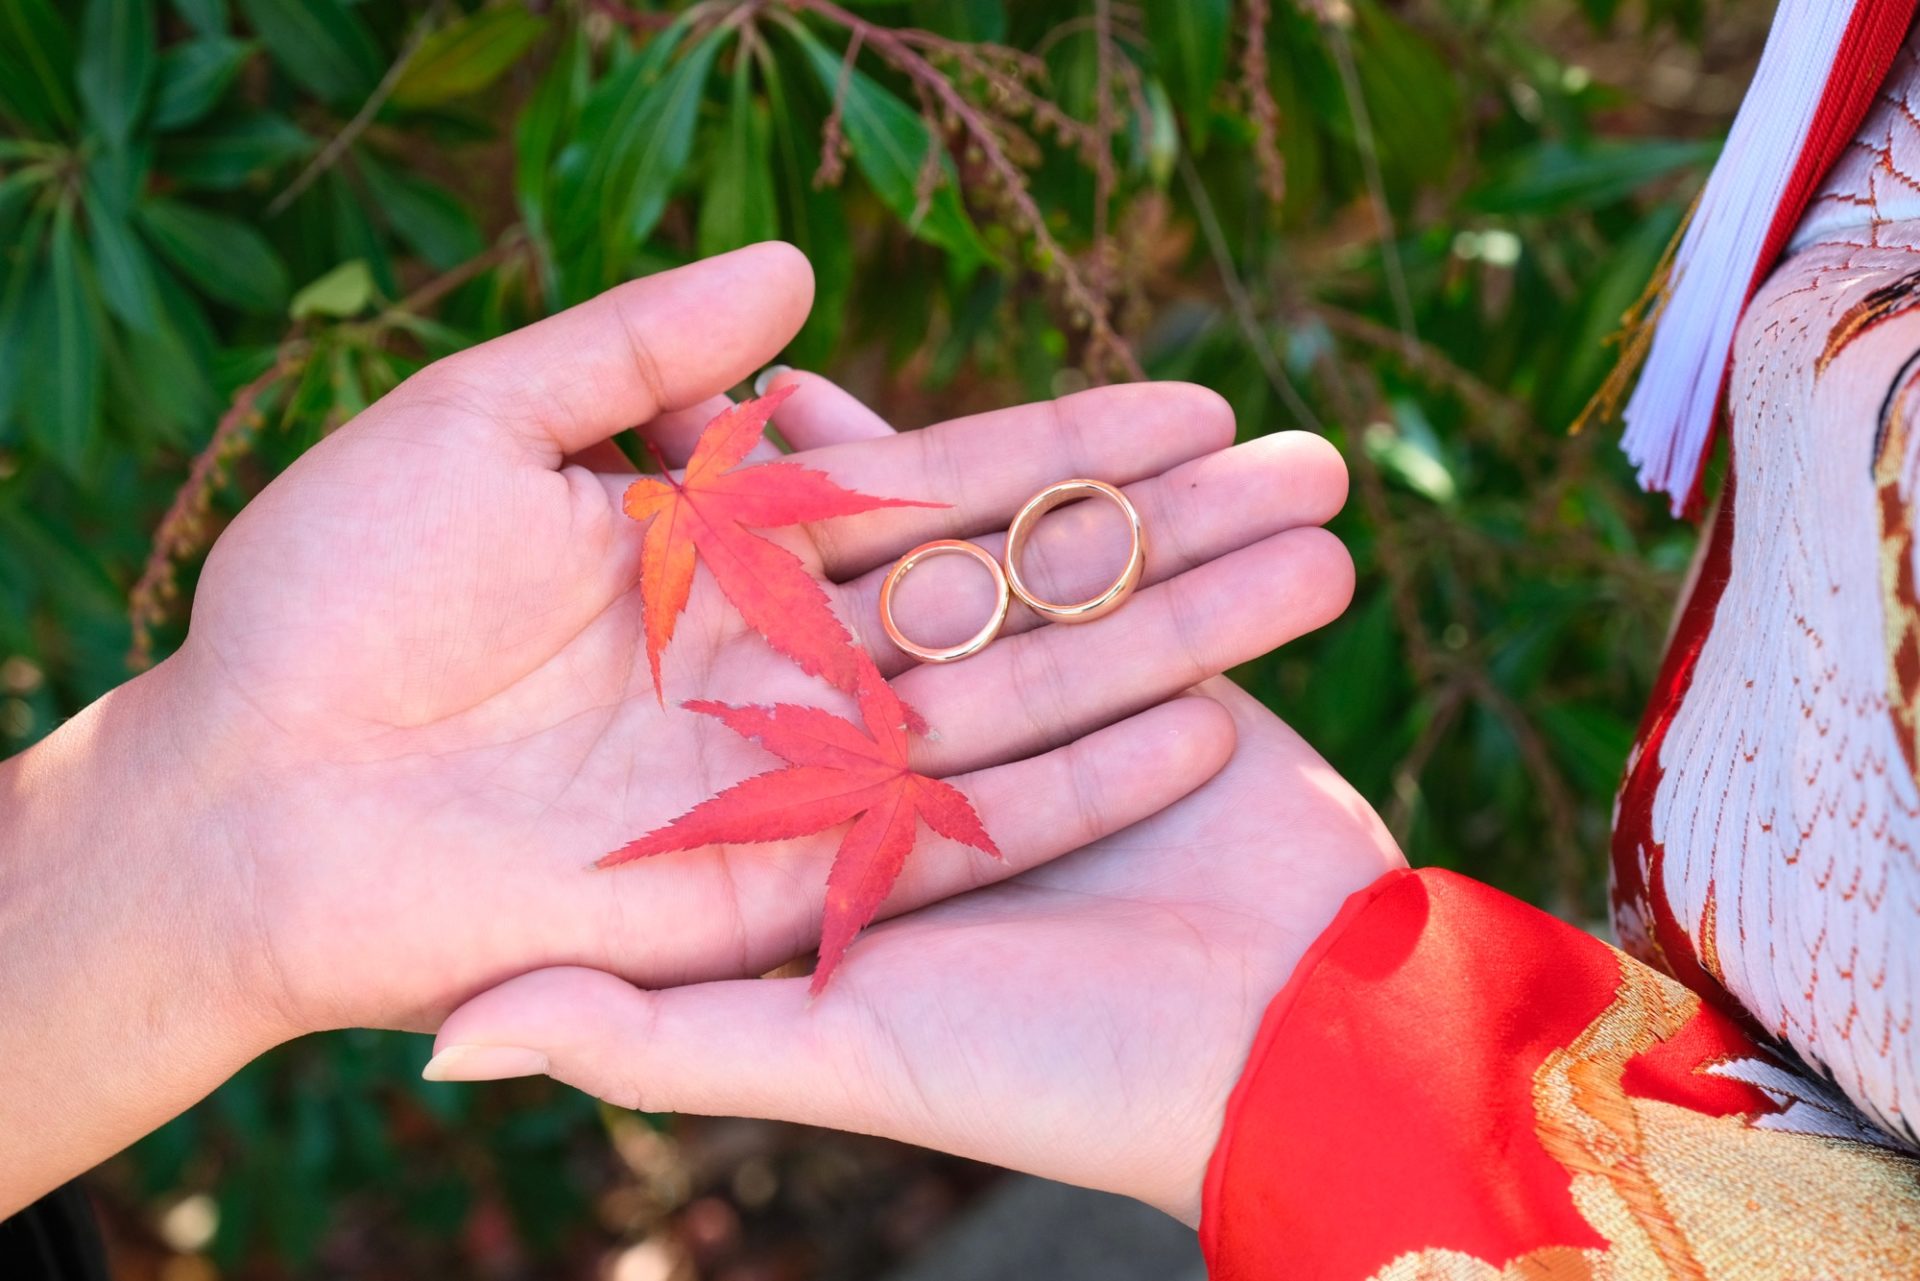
1037 810
675 432
819 413
1057 802
1193 513
704 1047
987 465
701 1049
641 349
1027 693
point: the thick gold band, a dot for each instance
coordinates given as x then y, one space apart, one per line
1093 607
980 639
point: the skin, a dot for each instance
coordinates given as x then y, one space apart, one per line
412 709
1085 1021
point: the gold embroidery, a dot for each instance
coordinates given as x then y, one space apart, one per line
1677 1193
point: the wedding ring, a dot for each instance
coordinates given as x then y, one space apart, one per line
1097 606
980 639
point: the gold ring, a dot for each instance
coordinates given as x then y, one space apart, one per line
980 639
1093 607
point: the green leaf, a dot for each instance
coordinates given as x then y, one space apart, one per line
738 206
63 384
426 216
1610 293
21 257
16 195
466 56
194 76
36 65
116 64
344 291
1413 101
1189 40
167 368
124 267
232 152
890 145
547 117
1157 137
816 220
322 43
1592 742
207 17
223 257
975 20
1553 177
119 174
353 232
634 136
1410 452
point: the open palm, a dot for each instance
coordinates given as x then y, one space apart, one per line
1084 1021
420 650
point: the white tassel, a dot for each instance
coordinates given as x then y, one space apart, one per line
1670 417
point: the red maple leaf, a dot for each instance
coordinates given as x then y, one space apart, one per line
706 514
834 773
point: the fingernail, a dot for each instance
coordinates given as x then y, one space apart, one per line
483 1063
767 375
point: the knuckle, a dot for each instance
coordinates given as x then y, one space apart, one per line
646 366
1049 704
1192 629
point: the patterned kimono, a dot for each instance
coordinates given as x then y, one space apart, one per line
1456 1086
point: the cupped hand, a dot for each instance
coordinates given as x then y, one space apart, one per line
414 668
1085 1021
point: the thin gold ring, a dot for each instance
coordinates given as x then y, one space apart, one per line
1097 606
980 639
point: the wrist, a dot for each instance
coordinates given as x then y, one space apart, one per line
132 981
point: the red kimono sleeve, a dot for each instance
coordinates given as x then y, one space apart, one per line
1455 1085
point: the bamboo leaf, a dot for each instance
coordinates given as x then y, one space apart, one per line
423 214
223 257
890 145
116 65
466 56
194 76
978 20
548 117
738 206
1190 46
634 137
125 269
1553 177
233 151
206 17
36 65
322 43
63 386
815 220
21 258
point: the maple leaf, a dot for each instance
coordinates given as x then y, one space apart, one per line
835 772
705 515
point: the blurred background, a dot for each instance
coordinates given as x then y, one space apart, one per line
228 225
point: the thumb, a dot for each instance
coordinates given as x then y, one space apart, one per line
751 1047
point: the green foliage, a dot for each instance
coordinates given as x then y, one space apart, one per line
264 214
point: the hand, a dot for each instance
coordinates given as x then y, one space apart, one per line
1085 1021
428 631
410 710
